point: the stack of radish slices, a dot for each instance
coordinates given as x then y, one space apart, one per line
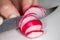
30 25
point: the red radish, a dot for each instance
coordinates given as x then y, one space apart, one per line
29 25
39 11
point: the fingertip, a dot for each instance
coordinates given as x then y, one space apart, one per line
1 20
13 16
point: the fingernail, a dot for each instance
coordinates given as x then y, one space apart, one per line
12 16
1 20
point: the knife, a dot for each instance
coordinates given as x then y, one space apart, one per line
10 24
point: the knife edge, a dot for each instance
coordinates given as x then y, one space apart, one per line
9 24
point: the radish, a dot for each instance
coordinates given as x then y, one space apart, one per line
30 25
37 10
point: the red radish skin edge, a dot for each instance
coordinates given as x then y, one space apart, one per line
31 23
20 22
35 31
34 7
25 17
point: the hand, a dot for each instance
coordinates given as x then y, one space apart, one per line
11 8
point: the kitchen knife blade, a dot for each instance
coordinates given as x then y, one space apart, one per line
50 10
10 24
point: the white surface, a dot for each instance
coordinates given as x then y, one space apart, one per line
12 35
53 29
49 3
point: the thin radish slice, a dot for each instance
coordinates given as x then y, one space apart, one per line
39 11
24 19
34 34
27 20
34 27
31 23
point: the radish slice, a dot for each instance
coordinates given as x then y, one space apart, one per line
31 24
25 19
34 27
39 11
35 33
